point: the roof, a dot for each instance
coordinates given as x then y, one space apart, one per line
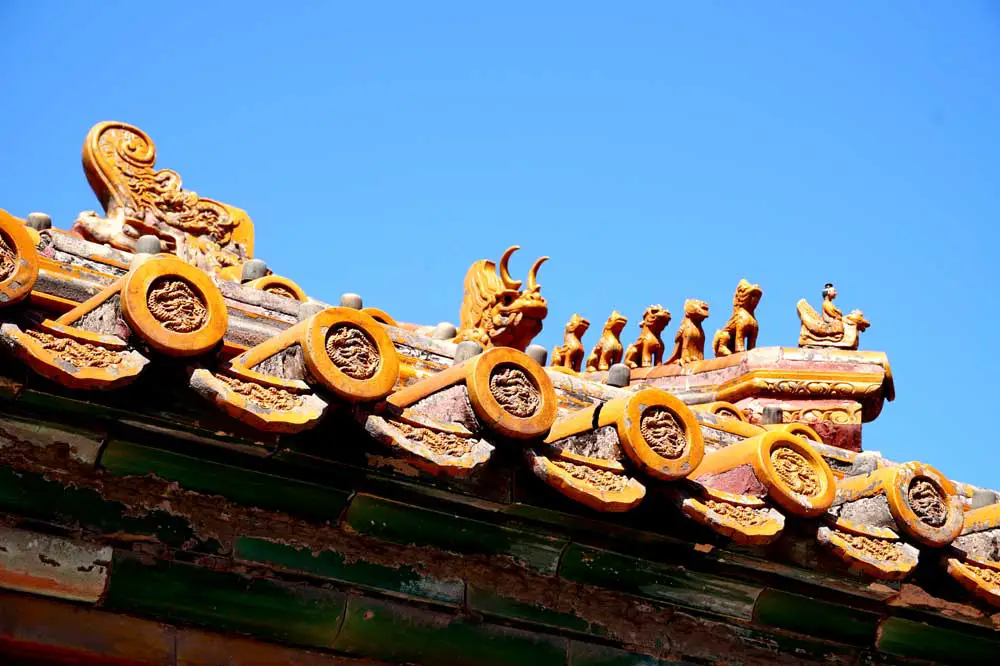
178 412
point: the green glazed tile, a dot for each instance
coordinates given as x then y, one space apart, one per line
34 496
906 638
329 564
243 486
398 633
402 523
806 615
587 654
490 602
225 601
677 586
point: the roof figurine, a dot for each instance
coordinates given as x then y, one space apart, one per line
830 328
496 312
740 332
647 351
608 349
570 354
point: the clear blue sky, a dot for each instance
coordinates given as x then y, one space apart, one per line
657 151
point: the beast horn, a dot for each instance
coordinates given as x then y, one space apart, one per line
533 274
508 281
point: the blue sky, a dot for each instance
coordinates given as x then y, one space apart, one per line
656 151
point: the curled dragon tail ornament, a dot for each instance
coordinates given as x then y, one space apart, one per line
496 312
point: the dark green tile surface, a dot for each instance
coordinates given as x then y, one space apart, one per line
225 601
398 633
806 615
32 495
491 602
243 486
329 564
407 524
588 654
674 585
906 638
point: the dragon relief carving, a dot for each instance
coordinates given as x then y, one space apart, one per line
515 392
495 311
77 354
570 354
8 258
173 303
830 328
352 351
740 332
927 502
795 471
689 343
608 349
119 161
647 351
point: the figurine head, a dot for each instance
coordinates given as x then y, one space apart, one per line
577 325
616 322
498 309
695 310
829 291
747 296
655 318
857 317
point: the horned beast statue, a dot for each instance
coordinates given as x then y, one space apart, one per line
496 312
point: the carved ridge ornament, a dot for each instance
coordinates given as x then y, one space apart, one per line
514 390
441 443
265 396
352 351
77 354
878 549
927 502
742 515
836 415
814 388
279 290
602 479
173 303
662 432
797 472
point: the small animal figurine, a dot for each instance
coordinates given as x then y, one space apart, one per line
832 328
608 349
740 332
689 343
570 354
647 351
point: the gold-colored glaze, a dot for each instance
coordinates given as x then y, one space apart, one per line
724 410
647 351
119 161
875 551
689 343
509 392
922 501
496 312
570 354
740 332
18 260
174 307
280 286
793 472
597 487
980 577
434 447
608 349
287 408
737 517
830 328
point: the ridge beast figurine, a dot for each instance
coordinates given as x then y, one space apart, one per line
689 343
495 311
647 351
740 332
570 354
608 349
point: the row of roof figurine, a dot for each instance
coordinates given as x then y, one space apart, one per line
828 328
